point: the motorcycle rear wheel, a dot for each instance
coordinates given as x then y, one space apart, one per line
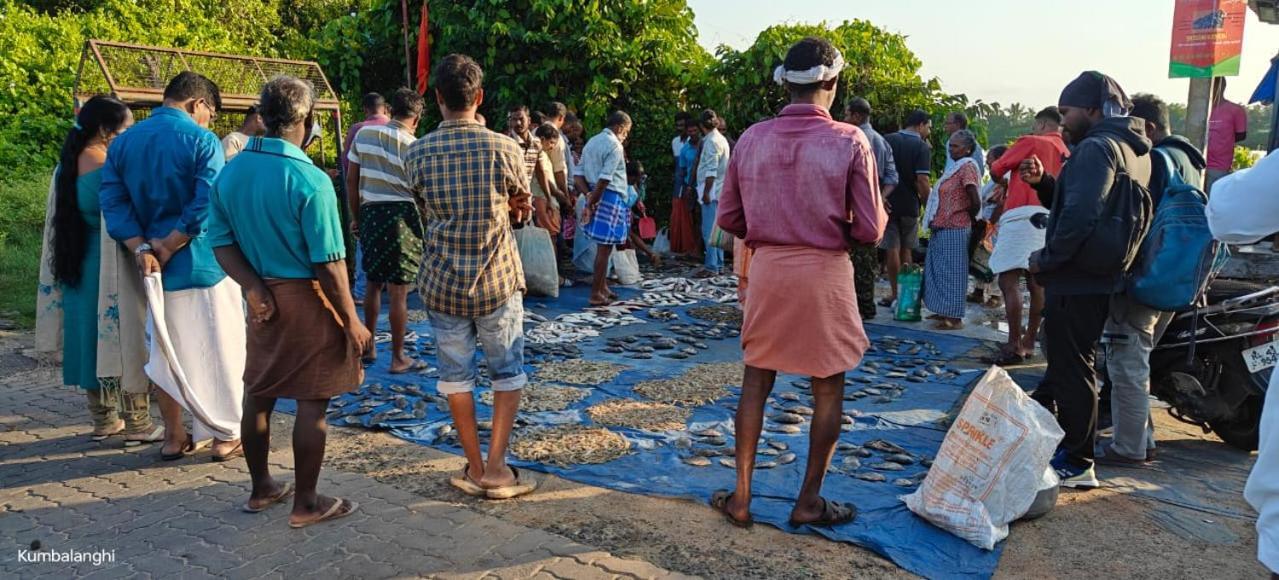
1244 430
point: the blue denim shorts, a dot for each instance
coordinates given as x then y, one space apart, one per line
500 334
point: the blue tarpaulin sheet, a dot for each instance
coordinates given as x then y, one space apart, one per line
654 467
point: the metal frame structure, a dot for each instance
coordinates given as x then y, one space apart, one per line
138 74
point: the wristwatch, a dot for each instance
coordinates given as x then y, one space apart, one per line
143 248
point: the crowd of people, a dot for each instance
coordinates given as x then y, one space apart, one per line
151 231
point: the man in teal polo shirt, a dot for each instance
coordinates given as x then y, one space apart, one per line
155 200
275 228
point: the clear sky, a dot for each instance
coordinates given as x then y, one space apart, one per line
1007 50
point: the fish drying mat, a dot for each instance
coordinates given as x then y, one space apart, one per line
895 397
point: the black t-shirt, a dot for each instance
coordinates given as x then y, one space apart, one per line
913 156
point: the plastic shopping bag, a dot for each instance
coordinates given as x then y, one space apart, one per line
721 239
992 464
626 267
662 245
537 254
910 283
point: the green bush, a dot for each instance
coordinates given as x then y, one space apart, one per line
22 205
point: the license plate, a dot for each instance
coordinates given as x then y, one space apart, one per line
1260 358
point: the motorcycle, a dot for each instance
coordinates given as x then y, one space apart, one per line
1213 364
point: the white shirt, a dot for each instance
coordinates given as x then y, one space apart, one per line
1262 490
677 144
604 158
233 144
713 163
1244 206
1243 209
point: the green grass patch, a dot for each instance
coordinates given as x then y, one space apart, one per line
22 205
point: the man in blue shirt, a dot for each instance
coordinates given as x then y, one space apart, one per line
155 200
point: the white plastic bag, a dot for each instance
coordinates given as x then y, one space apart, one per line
626 266
541 274
991 465
662 245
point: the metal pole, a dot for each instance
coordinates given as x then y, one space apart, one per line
408 59
1198 111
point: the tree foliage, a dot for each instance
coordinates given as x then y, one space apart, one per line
593 55
41 52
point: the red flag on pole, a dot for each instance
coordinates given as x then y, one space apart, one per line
423 52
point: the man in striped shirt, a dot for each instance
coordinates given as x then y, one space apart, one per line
386 217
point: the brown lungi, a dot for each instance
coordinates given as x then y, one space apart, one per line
302 353
802 316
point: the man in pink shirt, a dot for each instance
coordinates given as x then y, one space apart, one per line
1227 126
1019 237
800 189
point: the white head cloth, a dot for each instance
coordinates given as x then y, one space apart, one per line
818 74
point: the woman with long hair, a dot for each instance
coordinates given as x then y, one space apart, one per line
90 311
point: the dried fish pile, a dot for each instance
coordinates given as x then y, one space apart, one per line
537 398
882 381
542 352
559 333
903 346
380 405
697 386
727 314
644 415
862 462
579 372
565 445
599 321
417 316
685 291
646 345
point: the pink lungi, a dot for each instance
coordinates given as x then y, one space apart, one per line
802 316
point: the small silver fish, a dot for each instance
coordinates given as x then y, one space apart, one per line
888 466
728 462
870 476
697 461
786 458
766 465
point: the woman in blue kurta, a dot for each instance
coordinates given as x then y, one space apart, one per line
81 287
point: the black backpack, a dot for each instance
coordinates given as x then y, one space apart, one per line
1124 221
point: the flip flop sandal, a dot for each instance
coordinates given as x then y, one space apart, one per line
155 436
187 449
719 502
285 493
517 489
833 514
463 482
237 451
1004 358
117 428
334 512
886 303
415 366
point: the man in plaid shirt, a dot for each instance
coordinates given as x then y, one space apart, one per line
472 184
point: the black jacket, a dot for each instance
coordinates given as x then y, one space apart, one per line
1078 201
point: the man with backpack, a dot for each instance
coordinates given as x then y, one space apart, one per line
1100 211
1133 328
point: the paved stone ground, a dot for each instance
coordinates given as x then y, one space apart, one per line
184 519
